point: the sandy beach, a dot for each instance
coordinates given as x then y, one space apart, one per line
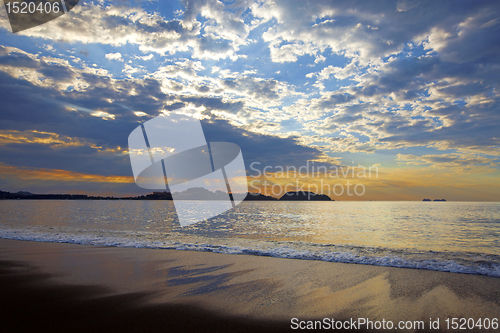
66 287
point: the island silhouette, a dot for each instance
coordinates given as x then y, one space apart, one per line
304 196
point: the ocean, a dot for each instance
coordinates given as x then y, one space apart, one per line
462 237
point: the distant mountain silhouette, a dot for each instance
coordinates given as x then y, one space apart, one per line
427 200
304 196
200 193
439 200
24 193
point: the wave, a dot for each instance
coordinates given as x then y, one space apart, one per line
456 262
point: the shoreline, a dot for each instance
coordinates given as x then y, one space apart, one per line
229 291
437 262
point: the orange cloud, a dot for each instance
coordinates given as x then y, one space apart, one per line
59 175
52 139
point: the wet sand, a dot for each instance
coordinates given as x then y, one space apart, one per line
78 288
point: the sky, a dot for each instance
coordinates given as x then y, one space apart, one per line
408 88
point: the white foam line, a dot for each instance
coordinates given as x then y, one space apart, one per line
97 238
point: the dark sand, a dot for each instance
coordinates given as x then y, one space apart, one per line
48 287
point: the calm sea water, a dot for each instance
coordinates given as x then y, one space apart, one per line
446 236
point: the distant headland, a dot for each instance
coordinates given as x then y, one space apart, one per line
434 200
304 196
